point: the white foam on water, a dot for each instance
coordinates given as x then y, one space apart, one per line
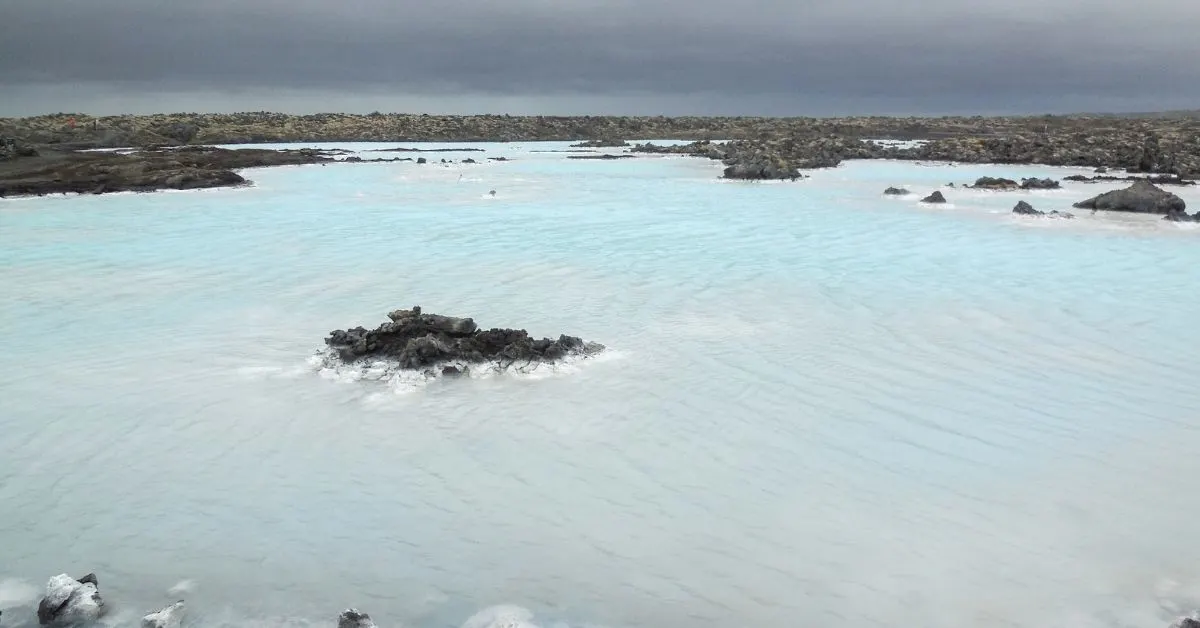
501 616
399 380
183 586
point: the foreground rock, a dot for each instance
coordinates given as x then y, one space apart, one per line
184 168
169 617
418 341
352 618
1025 209
936 197
1142 197
71 602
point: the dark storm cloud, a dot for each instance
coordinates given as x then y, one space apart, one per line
937 55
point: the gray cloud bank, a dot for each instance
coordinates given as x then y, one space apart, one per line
774 57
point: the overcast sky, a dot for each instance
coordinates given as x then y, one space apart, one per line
771 57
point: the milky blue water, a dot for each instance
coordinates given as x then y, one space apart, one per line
820 407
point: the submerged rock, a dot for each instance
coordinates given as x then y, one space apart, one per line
1191 621
896 192
1182 216
1142 197
169 617
417 341
70 602
1040 184
936 197
352 618
1025 209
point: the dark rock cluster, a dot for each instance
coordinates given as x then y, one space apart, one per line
1040 184
602 143
1025 209
419 341
994 183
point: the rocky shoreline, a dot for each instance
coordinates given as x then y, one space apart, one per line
38 154
38 171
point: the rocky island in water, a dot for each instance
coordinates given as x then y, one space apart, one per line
434 344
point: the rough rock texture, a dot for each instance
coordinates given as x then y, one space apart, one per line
1040 184
352 618
896 192
70 602
994 183
169 617
1141 197
11 148
417 341
936 197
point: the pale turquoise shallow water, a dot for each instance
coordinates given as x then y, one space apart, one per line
822 407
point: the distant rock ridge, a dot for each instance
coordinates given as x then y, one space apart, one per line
1139 144
603 143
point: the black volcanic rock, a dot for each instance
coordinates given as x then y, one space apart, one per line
1025 208
604 143
994 183
1142 197
184 168
936 197
604 157
896 192
352 618
1040 184
1181 216
417 341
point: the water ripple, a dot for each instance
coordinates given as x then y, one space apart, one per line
825 405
